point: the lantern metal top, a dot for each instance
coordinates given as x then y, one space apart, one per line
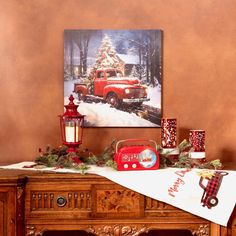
71 109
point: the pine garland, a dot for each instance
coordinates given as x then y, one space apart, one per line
59 158
184 160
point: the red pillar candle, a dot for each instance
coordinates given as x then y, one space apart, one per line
169 138
168 133
197 140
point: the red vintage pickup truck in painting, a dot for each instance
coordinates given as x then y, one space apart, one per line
109 85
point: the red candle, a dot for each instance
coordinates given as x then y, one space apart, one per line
197 140
168 133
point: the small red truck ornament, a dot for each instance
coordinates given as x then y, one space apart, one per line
109 85
131 156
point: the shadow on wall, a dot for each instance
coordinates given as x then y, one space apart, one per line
227 155
183 133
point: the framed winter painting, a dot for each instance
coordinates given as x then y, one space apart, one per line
115 76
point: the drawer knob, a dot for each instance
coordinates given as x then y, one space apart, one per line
61 201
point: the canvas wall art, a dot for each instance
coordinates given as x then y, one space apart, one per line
115 76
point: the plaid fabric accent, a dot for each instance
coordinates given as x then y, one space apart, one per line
212 189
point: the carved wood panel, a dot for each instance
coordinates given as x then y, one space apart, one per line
115 201
123 229
201 230
53 201
117 230
31 230
20 203
137 229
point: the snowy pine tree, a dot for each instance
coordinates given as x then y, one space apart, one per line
139 71
134 72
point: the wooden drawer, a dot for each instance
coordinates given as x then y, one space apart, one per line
60 202
91 201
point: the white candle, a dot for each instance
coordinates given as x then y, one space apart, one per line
70 134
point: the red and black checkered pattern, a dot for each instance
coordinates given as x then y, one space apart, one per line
209 198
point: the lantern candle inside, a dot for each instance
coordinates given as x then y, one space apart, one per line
72 132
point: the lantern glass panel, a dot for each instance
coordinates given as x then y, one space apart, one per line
73 130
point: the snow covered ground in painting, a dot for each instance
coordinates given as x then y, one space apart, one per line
101 114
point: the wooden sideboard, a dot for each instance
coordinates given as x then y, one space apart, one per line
32 203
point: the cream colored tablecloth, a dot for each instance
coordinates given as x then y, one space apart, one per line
181 188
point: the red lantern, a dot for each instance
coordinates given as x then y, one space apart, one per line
71 126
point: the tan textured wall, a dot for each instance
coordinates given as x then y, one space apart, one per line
199 69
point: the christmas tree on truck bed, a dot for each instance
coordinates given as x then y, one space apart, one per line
107 57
